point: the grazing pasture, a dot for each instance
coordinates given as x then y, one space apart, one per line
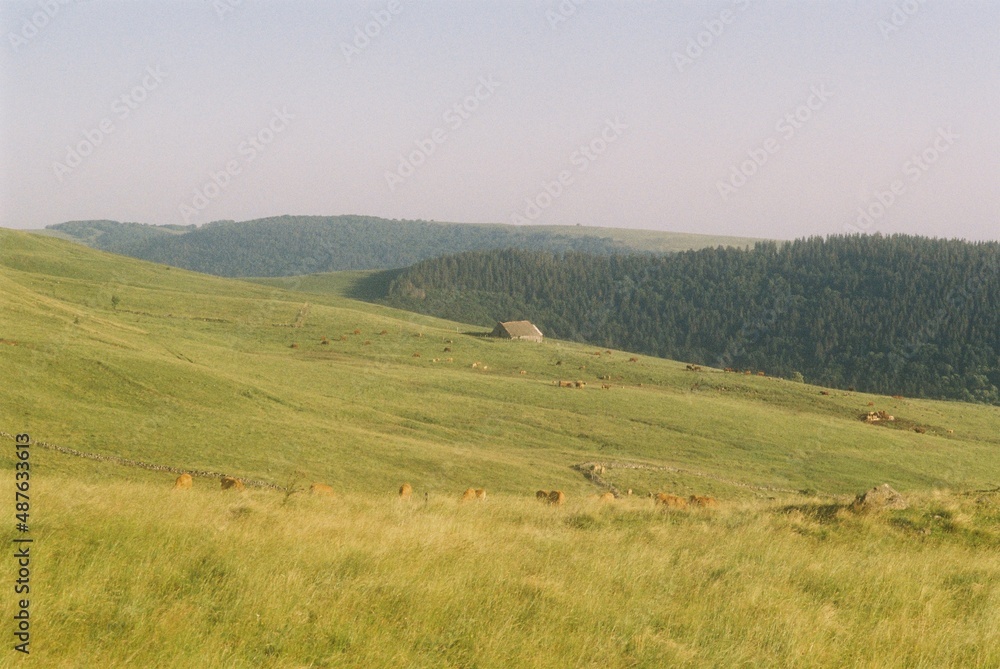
190 373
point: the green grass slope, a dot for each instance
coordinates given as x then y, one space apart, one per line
200 372
119 357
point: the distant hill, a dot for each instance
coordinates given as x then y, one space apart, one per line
292 245
896 315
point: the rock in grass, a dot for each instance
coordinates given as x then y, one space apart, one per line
879 498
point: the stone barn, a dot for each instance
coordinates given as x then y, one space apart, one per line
517 330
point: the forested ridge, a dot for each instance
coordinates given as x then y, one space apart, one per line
897 315
291 245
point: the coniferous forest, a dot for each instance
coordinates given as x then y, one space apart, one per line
896 315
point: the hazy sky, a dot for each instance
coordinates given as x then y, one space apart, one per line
740 117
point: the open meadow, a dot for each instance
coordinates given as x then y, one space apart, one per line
126 359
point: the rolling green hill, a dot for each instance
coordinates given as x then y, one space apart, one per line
200 372
290 245
122 358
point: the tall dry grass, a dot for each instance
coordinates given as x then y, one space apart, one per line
135 574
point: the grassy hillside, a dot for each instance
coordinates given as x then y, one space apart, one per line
115 356
291 245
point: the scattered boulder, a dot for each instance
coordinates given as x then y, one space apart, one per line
879 498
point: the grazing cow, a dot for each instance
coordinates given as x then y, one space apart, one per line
580 384
183 482
321 490
556 497
416 355
230 483
761 374
607 497
633 359
324 341
480 493
294 345
357 331
523 372
384 332
565 384
826 392
475 365
671 501
542 495
405 491
367 342
447 349
605 386
704 502
469 494
920 430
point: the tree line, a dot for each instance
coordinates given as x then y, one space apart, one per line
896 315
292 245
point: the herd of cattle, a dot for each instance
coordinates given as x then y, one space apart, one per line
553 497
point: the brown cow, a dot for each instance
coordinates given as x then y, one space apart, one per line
556 497
230 483
542 495
633 359
671 501
405 491
469 494
183 482
704 502
321 490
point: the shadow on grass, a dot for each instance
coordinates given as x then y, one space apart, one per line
374 286
821 513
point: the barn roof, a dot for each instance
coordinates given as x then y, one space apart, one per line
520 329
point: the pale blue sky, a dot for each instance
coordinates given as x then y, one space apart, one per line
887 81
